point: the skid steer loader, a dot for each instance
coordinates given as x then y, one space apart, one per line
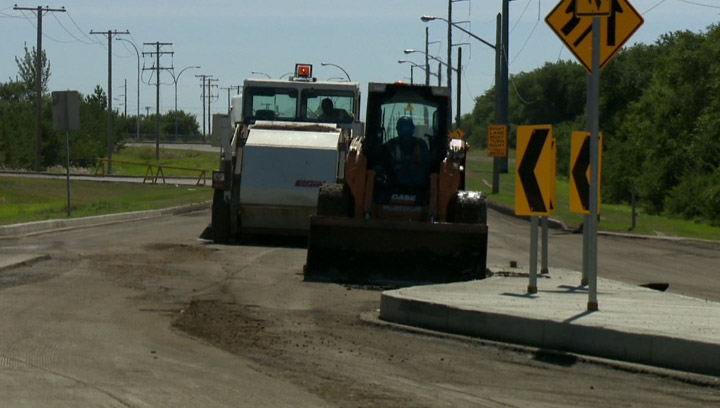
401 214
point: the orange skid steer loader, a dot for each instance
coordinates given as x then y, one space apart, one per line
401 214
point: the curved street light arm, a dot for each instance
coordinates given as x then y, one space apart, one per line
337 66
410 51
430 18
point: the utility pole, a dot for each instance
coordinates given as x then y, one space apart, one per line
38 75
125 95
427 57
157 69
109 34
449 58
204 78
504 88
210 97
457 115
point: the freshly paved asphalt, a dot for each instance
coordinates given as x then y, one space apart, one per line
634 324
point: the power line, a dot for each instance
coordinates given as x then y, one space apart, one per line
71 34
699 4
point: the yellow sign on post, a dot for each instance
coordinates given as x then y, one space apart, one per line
575 30
579 198
534 165
497 140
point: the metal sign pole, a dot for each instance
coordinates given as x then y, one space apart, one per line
532 285
67 151
593 111
544 244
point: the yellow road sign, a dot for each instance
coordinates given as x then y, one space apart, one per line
579 198
497 140
593 7
534 165
576 31
456 134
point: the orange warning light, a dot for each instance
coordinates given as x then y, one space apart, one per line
303 70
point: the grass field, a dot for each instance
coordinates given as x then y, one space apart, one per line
145 155
25 199
616 218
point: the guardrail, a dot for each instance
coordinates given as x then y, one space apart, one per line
151 175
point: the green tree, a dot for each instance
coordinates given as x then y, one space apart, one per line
27 66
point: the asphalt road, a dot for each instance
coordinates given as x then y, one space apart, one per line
143 314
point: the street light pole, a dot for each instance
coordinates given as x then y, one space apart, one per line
137 125
427 60
501 84
175 81
337 66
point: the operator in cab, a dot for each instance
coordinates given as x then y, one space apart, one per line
332 115
408 155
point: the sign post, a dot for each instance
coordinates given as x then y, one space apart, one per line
534 183
573 21
66 117
594 116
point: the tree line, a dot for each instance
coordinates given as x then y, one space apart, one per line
659 116
89 142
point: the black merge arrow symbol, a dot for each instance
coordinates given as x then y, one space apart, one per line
526 171
579 172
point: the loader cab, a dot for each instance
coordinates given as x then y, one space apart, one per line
403 162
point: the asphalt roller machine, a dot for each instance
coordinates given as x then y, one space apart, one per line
401 213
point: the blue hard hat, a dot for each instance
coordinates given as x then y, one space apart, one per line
405 126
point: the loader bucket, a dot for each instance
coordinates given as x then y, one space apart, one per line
349 250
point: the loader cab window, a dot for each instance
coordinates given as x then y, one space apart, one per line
264 103
327 106
406 138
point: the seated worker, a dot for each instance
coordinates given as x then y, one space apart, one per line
331 115
406 146
408 155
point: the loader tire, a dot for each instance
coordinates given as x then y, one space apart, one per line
471 208
334 200
220 218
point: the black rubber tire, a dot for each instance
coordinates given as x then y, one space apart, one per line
471 208
334 200
220 218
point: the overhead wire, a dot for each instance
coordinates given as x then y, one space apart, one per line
81 31
699 4
68 31
520 16
650 9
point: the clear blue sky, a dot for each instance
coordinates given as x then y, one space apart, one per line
230 39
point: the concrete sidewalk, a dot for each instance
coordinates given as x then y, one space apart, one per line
634 324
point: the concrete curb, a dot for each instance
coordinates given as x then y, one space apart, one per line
654 350
57 224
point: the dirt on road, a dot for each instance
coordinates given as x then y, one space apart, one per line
151 316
